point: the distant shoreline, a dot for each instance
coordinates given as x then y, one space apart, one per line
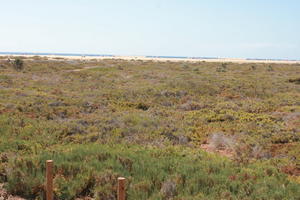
74 56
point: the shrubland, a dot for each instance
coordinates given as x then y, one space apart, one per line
147 121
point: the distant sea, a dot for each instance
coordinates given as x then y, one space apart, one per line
52 54
96 55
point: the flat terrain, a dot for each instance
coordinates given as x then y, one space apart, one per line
156 59
176 130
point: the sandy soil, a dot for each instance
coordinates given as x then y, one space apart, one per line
222 152
234 60
85 68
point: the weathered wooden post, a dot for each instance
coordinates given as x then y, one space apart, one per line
49 179
121 188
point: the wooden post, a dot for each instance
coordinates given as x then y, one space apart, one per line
121 188
49 179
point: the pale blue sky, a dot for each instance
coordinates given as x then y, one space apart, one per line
215 28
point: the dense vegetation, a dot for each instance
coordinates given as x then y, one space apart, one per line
146 121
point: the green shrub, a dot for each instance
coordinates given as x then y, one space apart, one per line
146 121
18 64
92 170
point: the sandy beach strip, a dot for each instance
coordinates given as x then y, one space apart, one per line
157 59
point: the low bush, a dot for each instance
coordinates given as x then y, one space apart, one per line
18 64
147 121
92 170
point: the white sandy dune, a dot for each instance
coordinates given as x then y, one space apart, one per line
234 60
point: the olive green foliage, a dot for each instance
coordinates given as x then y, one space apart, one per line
18 64
93 170
146 121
